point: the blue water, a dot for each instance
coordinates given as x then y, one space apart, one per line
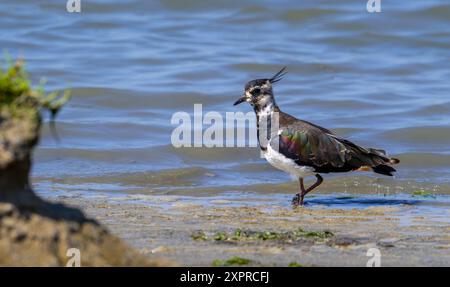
378 79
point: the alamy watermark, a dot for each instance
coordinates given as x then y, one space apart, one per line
375 257
74 256
373 6
232 129
73 6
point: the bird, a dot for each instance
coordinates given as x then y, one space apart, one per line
301 148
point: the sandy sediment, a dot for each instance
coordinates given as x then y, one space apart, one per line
203 234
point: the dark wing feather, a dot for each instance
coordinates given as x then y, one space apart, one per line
311 145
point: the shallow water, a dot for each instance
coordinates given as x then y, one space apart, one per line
380 80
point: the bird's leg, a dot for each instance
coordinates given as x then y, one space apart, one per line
316 184
298 199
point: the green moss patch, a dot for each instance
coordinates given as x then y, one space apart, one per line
233 261
295 264
423 193
199 235
240 235
18 97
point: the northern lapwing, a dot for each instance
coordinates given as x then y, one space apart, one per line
303 149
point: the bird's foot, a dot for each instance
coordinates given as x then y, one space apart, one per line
297 200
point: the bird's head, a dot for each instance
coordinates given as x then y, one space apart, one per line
259 92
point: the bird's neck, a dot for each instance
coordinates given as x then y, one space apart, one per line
266 123
267 109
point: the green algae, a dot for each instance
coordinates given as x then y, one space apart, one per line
240 235
18 99
199 235
295 264
233 261
423 193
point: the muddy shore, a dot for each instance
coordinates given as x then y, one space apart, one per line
208 231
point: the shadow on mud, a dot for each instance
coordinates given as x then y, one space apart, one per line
361 202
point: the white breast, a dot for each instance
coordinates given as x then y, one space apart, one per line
278 160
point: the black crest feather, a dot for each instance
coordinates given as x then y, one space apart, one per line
278 76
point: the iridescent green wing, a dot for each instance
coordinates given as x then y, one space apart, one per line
312 147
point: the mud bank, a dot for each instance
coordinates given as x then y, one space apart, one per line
216 231
34 232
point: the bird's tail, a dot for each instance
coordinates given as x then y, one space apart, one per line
383 168
382 153
367 159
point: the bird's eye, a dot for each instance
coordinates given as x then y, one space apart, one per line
256 91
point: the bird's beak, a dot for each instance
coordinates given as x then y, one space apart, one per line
240 100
